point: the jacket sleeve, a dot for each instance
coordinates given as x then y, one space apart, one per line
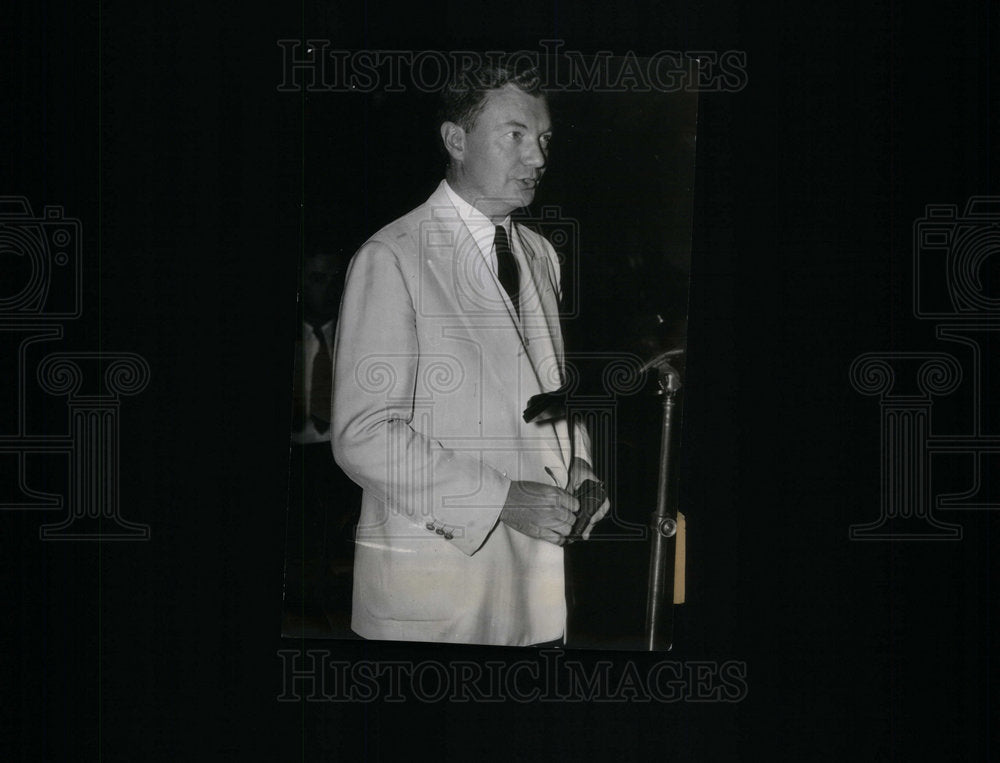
374 440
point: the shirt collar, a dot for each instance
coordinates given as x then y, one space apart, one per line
472 217
309 331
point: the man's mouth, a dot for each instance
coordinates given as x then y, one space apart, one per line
528 182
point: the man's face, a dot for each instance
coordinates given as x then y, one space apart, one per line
321 287
504 154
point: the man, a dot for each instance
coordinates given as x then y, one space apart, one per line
449 325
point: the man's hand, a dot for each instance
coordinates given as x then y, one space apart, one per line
579 472
540 511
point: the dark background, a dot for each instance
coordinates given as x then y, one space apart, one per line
187 180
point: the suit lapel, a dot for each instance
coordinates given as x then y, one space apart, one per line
542 339
539 328
459 268
458 290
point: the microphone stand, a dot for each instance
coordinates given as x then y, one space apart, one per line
663 521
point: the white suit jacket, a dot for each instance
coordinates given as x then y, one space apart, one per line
433 370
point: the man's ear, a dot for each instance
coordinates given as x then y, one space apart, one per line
453 137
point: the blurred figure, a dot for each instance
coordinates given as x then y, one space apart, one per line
322 285
323 503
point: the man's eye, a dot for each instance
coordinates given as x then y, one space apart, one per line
516 134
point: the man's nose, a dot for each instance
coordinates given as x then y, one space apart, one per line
534 155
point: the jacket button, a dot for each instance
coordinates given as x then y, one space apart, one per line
448 536
430 526
439 531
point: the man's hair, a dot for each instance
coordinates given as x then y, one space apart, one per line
465 95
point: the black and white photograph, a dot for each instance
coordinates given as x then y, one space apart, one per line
598 184
536 381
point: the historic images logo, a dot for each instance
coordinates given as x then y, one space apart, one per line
951 286
315 66
316 675
41 292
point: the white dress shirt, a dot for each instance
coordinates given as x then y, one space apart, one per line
483 230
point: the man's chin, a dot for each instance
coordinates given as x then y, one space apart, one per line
522 194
